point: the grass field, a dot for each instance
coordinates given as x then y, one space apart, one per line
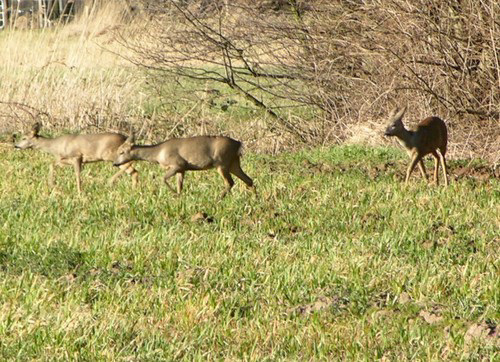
335 259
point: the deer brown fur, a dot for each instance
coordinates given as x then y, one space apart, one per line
179 155
430 137
77 150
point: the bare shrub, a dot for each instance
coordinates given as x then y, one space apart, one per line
275 74
317 67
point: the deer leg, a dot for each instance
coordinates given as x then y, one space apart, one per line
77 164
170 172
443 165
126 167
52 171
51 174
416 158
238 172
180 181
421 167
134 174
228 180
123 168
436 167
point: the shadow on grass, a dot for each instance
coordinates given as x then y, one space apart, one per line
53 261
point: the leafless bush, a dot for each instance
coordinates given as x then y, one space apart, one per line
332 63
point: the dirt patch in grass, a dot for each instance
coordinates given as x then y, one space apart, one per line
322 303
486 333
430 317
398 169
202 217
481 173
455 172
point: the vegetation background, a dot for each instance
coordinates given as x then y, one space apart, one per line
336 259
277 74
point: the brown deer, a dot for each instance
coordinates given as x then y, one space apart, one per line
431 136
179 155
78 149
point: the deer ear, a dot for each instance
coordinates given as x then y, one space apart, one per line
131 138
401 113
393 112
36 128
397 115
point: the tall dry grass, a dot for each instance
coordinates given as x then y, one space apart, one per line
75 77
68 76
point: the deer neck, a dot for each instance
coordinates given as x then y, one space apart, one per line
406 139
46 144
145 153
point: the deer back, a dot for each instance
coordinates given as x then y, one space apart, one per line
431 134
91 147
201 152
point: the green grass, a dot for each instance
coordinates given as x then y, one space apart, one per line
214 100
318 266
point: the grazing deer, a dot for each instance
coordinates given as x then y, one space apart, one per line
78 149
431 137
179 155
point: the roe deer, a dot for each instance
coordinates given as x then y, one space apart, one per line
179 155
431 136
78 149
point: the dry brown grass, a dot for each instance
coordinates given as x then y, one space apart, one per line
67 76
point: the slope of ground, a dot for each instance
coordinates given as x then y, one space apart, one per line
335 258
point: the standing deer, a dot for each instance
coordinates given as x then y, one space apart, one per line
431 136
78 149
179 155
